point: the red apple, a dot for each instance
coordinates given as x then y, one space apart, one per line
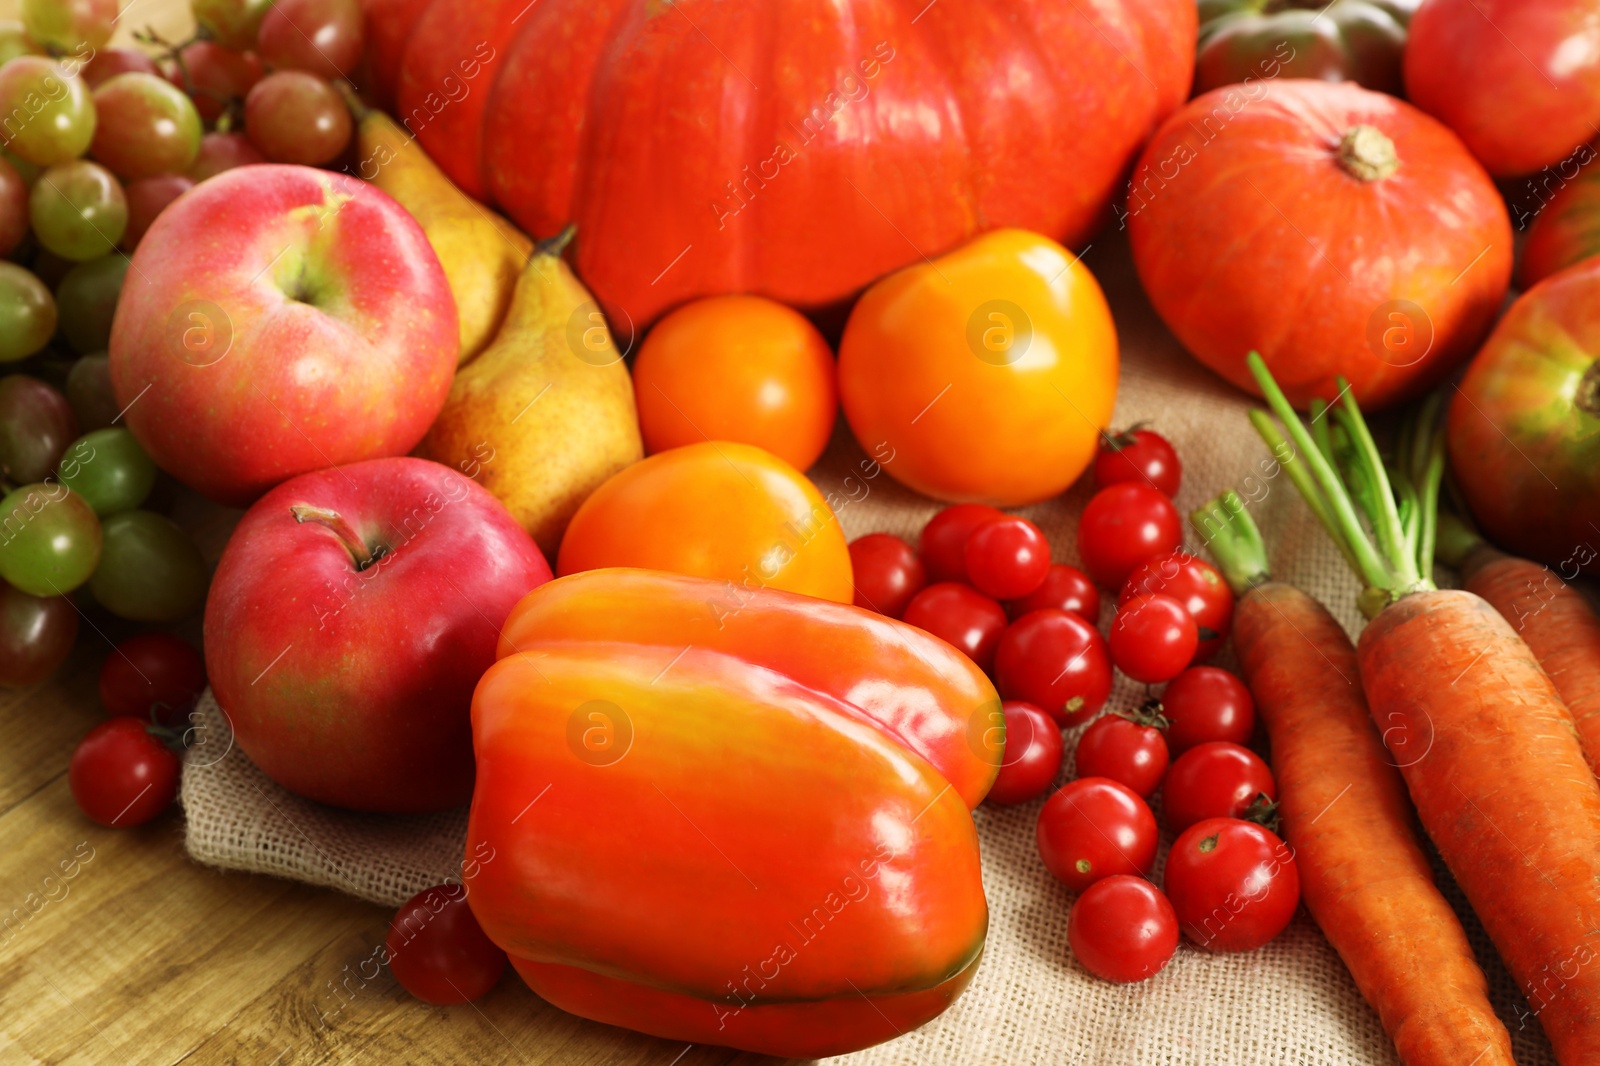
280 319
352 613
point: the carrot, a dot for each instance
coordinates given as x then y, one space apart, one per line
1488 750
1344 811
1552 617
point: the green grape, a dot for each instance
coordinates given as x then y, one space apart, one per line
149 571
89 392
27 313
75 26
48 113
49 539
109 469
14 41
36 425
86 300
145 126
78 210
29 171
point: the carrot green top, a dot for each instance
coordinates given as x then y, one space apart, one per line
1382 517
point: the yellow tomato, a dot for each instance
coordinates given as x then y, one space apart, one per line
717 509
986 374
741 368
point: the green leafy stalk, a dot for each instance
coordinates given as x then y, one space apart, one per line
1234 540
1384 525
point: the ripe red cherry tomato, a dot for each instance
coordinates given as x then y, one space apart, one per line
1055 660
1123 527
887 573
153 673
1194 583
1130 751
943 546
1233 884
961 615
438 951
1066 588
1153 638
1007 557
1093 828
121 774
1214 780
1123 929
1032 757
1205 703
1141 456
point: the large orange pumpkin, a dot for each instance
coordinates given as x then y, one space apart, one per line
797 149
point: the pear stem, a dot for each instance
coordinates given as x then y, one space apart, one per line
554 246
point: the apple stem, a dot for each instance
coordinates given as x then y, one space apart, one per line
306 512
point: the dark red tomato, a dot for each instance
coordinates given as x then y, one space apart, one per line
1055 660
1205 703
1065 588
1007 557
153 674
438 951
1153 639
1233 884
943 545
1093 828
1032 757
1123 929
961 615
1129 752
1141 456
1194 583
1123 527
887 573
1214 780
121 775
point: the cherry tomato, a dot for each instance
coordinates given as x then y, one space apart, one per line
438 951
121 775
1007 557
1093 828
961 615
1055 660
1141 456
1205 703
1194 583
1233 884
887 573
1153 638
943 546
1214 780
1123 929
1066 588
153 674
1032 757
1130 751
741 368
1123 527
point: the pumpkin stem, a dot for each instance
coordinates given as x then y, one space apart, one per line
1367 154
1588 398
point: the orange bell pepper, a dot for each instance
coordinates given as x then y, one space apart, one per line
742 825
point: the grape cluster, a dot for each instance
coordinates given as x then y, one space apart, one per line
94 142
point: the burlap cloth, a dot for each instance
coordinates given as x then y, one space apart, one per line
1291 1002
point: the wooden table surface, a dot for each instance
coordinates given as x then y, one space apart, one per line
115 948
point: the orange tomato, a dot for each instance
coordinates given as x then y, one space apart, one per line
716 509
740 368
988 373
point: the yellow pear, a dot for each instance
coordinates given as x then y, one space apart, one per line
482 254
546 413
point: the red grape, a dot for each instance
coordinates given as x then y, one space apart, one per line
36 633
214 76
147 198
110 62
294 117
321 37
13 208
36 425
146 127
223 151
